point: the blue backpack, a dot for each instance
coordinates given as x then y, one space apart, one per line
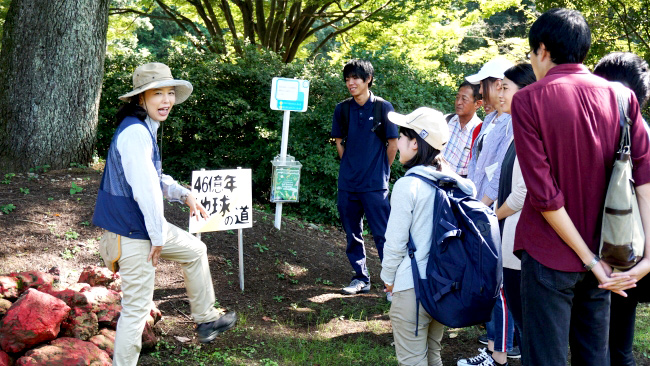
464 270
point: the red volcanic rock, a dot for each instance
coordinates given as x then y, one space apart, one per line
73 298
154 315
66 351
4 306
9 287
81 287
100 276
105 340
34 318
106 304
149 339
33 279
5 360
80 324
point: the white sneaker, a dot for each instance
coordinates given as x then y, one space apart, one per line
356 287
482 359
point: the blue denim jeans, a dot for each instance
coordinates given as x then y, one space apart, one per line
562 309
623 316
501 327
352 207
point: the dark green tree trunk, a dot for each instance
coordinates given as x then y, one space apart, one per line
51 69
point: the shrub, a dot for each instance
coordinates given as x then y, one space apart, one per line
227 122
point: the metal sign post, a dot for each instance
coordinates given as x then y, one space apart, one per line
286 95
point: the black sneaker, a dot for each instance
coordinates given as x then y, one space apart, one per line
356 287
209 331
483 339
514 353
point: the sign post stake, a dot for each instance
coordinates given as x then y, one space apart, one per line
240 242
283 158
286 95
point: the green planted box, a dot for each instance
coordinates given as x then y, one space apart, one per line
285 183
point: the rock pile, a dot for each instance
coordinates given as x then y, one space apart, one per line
45 323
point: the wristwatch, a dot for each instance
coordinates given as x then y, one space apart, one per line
591 264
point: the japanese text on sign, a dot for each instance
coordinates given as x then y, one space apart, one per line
226 195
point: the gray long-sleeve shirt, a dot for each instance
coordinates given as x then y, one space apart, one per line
412 203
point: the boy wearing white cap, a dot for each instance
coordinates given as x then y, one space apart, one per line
130 207
423 135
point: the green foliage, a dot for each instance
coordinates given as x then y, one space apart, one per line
40 169
74 188
615 25
227 122
70 235
7 208
8 177
24 190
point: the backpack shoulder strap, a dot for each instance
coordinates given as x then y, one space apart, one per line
449 116
622 99
379 127
411 246
345 119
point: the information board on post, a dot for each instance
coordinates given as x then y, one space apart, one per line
227 197
289 94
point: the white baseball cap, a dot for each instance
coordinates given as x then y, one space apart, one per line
493 68
429 123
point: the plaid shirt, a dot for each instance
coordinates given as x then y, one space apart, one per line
460 140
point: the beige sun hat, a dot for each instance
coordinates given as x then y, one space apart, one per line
156 75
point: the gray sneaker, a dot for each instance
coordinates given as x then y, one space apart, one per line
514 353
356 287
209 331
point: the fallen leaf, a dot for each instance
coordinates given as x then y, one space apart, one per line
267 319
182 339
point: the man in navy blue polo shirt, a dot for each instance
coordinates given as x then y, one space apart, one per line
366 142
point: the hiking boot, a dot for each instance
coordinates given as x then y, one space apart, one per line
356 287
209 331
514 353
483 339
482 359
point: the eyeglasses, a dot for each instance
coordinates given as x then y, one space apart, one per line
531 52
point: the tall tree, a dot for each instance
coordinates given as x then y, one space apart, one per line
281 26
51 63
616 25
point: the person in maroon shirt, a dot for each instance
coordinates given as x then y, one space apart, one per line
566 130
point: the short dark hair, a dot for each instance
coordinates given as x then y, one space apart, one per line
629 69
475 89
564 33
360 68
487 84
132 108
426 154
521 74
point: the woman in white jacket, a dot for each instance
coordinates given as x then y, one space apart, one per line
412 204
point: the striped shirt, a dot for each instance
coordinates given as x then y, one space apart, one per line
488 152
460 140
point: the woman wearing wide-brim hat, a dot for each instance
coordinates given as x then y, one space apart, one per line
130 207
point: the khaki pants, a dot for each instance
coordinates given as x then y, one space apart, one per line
411 350
138 277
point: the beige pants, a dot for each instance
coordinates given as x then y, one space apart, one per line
411 350
138 277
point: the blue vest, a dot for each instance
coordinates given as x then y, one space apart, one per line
116 210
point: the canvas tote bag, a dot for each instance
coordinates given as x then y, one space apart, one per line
622 239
